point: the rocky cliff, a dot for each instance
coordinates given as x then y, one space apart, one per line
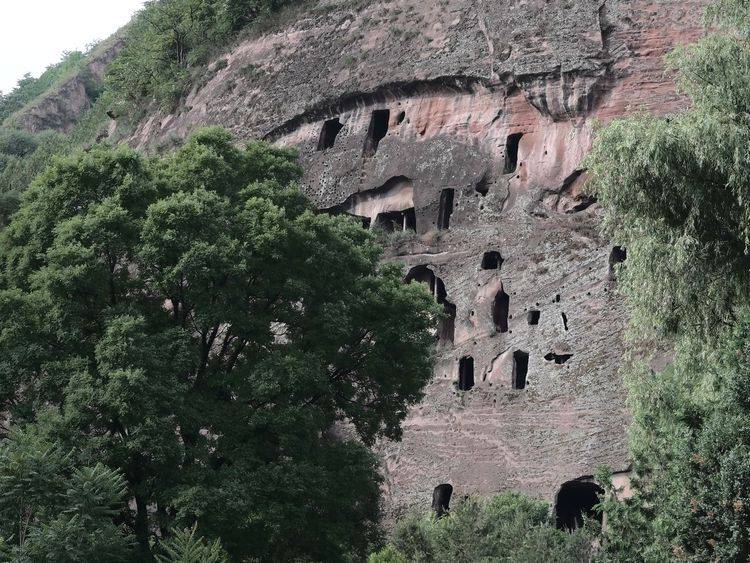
458 128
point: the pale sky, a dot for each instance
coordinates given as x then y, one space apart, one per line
34 33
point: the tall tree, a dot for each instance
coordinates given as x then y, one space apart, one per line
203 330
676 191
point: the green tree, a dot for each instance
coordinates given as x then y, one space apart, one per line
204 331
186 547
509 527
52 509
676 192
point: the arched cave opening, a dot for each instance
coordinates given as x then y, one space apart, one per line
500 309
377 131
533 317
575 501
466 373
424 275
492 260
511 152
328 134
446 209
520 369
441 499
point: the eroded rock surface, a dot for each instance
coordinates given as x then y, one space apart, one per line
460 126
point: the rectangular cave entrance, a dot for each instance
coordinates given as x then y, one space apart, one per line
511 152
533 317
500 310
466 373
396 221
446 209
520 369
377 130
328 134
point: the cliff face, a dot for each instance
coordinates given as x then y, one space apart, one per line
461 125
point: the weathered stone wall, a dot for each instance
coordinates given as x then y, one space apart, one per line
459 77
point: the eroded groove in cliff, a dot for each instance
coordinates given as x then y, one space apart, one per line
381 95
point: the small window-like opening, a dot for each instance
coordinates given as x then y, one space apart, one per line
378 129
401 117
328 134
446 209
558 358
395 221
617 256
564 320
575 501
511 152
520 369
500 309
533 317
466 373
492 260
441 499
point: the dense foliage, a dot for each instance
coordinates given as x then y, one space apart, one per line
676 191
191 323
509 527
170 38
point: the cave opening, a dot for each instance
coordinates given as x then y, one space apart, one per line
483 186
441 499
446 209
564 320
558 358
328 134
401 117
466 373
575 501
520 369
533 317
423 274
492 260
377 130
618 255
447 329
500 309
395 221
511 152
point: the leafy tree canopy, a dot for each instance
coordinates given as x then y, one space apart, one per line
676 190
199 328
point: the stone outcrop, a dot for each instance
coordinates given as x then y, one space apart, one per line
60 108
463 124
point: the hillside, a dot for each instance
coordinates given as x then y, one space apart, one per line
459 129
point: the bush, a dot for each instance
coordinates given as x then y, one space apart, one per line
507 527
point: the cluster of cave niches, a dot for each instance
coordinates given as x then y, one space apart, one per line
575 502
405 220
493 260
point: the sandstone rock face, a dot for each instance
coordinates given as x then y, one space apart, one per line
461 125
